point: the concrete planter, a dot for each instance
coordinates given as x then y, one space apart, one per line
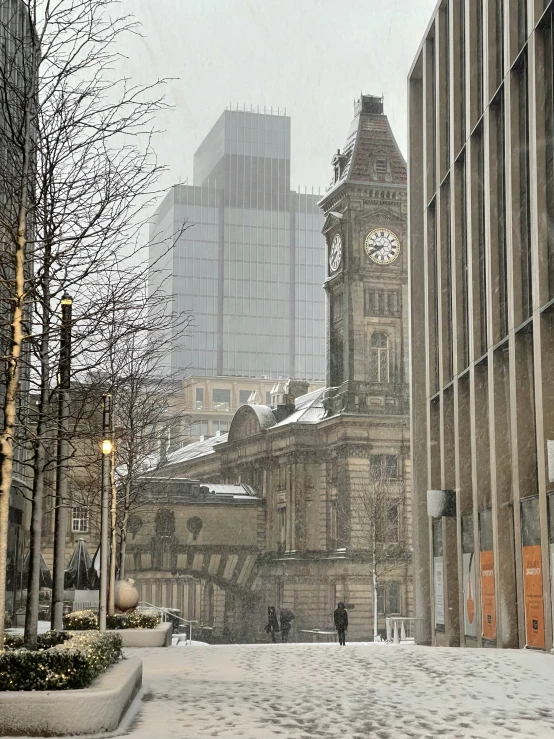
93 710
158 637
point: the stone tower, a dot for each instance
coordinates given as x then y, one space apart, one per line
365 228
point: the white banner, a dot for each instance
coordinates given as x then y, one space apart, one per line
439 590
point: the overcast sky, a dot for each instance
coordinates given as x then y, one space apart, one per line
312 57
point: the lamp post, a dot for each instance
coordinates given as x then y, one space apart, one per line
60 525
105 508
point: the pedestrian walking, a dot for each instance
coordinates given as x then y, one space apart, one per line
272 623
286 617
341 623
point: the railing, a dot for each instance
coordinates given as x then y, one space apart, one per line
181 625
402 629
84 605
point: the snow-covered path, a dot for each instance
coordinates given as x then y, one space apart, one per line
323 691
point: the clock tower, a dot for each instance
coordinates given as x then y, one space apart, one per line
366 230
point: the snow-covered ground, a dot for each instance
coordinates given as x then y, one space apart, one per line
323 691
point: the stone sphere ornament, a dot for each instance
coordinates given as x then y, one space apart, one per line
126 595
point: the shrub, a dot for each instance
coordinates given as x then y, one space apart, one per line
44 641
81 621
73 663
87 620
134 620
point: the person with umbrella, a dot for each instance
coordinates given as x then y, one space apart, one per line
272 623
286 618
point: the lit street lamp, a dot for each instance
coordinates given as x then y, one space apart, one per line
105 508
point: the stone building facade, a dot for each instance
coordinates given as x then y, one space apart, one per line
312 457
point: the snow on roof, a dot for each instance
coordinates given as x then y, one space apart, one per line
308 409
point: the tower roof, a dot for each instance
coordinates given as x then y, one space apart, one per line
370 153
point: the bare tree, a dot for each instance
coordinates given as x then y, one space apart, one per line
377 523
79 174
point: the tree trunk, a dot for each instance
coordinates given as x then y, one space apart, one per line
124 524
113 541
10 410
375 586
39 456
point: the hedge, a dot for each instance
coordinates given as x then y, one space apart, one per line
73 663
86 620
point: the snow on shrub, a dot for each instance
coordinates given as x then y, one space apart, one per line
86 620
71 663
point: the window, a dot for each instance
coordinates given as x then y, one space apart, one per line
524 200
79 520
381 166
198 428
549 130
393 521
336 307
389 598
268 398
393 597
333 524
379 358
221 400
221 426
243 396
199 398
282 534
481 248
384 466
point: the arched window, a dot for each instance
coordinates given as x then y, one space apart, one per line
379 358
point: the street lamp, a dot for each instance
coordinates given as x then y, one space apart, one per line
60 525
105 509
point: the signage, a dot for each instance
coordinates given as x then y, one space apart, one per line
488 595
532 586
468 569
438 569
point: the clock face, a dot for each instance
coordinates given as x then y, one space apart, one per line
335 255
382 246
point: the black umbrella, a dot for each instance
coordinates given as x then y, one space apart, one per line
79 574
95 571
45 576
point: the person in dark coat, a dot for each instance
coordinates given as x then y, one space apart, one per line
272 623
286 617
341 623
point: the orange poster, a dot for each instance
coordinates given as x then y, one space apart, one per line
534 608
488 597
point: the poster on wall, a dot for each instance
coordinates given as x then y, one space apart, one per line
438 570
470 621
532 586
488 596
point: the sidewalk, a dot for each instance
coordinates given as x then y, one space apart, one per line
323 691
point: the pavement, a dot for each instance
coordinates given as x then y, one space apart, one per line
323 691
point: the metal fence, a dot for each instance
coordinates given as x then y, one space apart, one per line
401 629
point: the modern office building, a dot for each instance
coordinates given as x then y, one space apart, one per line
249 264
481 210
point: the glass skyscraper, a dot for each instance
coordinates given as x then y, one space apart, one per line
249 265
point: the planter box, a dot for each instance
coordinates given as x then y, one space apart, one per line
93 710
158 637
